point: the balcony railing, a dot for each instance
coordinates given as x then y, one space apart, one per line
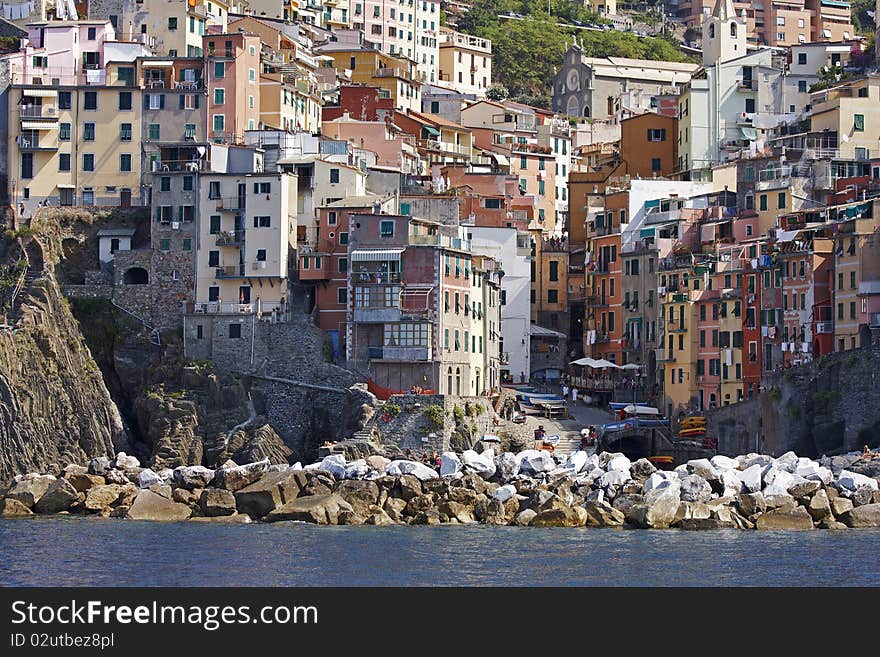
38 111
233 238
395 72
165 166
376 277
377 315
395 353
231 203
229 271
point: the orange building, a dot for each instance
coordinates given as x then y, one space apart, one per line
648 145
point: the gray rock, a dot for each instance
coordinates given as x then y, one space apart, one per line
703 468
657 514
60 496
829 523
379 517
602 514
317 509
116 477
217 502
407 487
82 482
751 478
429 517
524 517
164 490
394 507
192 476
12 508
694 524
804 488
149 506
236 477
695 489
99 466
780 502
270 491
542 500
378 463
184 496
840 505
784 518
29 491
692 511
419 503
641 470
841 463
867 515
626 501
349 518
862 496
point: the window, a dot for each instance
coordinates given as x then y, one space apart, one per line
125 161
552 296
261 255
343 265
780 200
90 100
802 86
187 244
165 245
189 129
88 162
125 132
165 184
656 164
750 106
262 188
215 224
342 295
88 132
64 131
172 23
252 75
262 221
235 330
250 102
219 122
153 131
343 239
219 96
187 183
213 293
762 202
859 122
852 310
863 92
386 229
852 280
213 258
334 175
91 33
554 270
64 161
656 134
219 69
802 58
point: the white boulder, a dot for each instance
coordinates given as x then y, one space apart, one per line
147 477
577 461
853 481
620 463
449 464
504 493
751 478
811 470
534 461
722 463
787 462
125 462
296 466
731 481
483 464
508 464
658 478
614 478
670 487
334 465
419 470
356 469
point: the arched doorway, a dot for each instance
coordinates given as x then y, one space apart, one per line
136 276
449 381
458 381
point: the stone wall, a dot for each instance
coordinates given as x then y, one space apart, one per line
828 406
134 298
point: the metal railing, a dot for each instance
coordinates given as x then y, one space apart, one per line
38 111
230 238
229 271
232 203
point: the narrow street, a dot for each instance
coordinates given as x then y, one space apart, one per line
580 416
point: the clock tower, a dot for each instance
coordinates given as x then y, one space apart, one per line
724 33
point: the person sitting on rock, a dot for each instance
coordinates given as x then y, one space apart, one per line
867 454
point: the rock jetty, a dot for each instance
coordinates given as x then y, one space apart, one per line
531 488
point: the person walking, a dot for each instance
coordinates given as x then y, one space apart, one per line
564 391
574 395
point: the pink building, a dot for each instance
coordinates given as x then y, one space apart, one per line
232 72
393 147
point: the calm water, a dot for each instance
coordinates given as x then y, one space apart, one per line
94 552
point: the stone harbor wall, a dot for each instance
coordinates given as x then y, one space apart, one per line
829 406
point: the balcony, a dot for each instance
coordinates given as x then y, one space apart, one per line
170 166
38 112
435 145
229 271
376 277
230 238
400 354
34 145
676 328
377 315
395 72
748 84
660 355
231 204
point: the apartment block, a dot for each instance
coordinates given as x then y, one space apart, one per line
233 83
465 63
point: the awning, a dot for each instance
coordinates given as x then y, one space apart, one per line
163 62
65 186
649 231
39 125
749 133
40 93
431 130
499 158
542 332
826 34
374 255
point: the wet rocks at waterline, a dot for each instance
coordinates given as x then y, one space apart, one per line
531 488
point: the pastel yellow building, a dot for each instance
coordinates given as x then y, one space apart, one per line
175 28
465 62
680 344
852 110
396 74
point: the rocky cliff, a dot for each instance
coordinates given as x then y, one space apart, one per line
54 406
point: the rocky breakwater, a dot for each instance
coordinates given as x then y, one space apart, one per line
531 488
